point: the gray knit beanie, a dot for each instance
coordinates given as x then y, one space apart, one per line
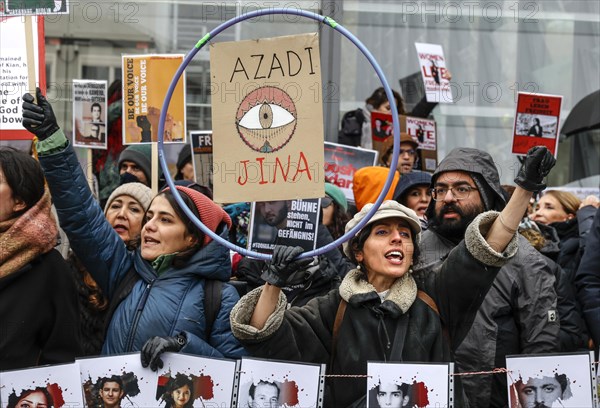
140 154
139 191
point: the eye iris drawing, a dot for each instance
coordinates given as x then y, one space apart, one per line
266 119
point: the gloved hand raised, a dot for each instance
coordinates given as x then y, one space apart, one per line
39 119
537 164
155 346
279 271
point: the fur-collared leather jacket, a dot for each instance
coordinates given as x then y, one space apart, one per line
401 328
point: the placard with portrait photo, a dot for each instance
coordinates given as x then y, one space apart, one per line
51 386
407 385
187 381
117 381
280 384
550 380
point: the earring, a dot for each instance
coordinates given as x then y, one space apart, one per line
358 267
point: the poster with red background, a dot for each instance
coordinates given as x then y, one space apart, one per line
536 122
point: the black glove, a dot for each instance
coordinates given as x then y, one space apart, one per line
156 345
39 119
279 271
537 164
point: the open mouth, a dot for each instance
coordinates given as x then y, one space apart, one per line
150 241
120 228
395 255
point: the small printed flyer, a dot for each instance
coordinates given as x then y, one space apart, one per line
536 122
89 114
436 76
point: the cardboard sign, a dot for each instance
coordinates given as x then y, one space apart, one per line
146 79
202 147
536 122
59 383
287 222
280 384
341 162
89 114
14 74
409 385
434 72
267 123
33 7
558 380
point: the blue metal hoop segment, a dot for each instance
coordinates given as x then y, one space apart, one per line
190 56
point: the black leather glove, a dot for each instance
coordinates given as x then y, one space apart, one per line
282 267
39 119
155 346
537 164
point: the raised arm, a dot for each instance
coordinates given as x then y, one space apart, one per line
536 166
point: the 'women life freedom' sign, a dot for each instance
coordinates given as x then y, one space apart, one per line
267 119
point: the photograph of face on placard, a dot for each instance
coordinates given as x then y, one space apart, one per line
268 383
400 385
187 381
557 380
117 381
49 387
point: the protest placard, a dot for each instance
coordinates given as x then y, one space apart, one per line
536 122
33 7
146 79
280 384
51 386
341 162
267 118
202 148
138 383
14 74
409 385
283 222
563 380
435 73
194 381
89 114
424 132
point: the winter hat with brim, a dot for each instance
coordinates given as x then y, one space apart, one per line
337 195
138 191
141 155
211 214
387 209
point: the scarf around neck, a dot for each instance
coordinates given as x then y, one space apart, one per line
24 238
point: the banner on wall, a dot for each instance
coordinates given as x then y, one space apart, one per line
536 122
341 162
146 79
14 74
89 114
267 119
33 7
434 72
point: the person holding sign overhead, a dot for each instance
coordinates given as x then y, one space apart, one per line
161 282
380 312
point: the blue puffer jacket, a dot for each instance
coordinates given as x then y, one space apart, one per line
162 305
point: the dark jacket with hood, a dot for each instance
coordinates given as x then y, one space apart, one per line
588 280
401 328
514 316
159 304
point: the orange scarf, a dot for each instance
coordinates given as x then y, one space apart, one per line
24 238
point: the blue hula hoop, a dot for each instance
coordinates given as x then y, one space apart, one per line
203 41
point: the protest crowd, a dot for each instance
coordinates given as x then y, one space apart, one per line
452 267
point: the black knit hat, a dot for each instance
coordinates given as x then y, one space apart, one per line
184 157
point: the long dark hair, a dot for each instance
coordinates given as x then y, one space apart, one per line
180 380
23 175
13 399
379 97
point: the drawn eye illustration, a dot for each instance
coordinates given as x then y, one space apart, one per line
266 119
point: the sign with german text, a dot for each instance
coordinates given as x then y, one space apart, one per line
89 114
146 79
435 73
341 162
536 122
14 74
267 118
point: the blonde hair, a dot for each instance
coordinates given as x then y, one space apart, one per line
569 202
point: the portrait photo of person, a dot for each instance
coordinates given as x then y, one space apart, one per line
542 392
111 391
179 392
390 395
273 212
264 394
536 130
38 397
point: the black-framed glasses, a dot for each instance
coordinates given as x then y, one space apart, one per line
326 202
459 192
410 152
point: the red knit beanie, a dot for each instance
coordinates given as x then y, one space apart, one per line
211 214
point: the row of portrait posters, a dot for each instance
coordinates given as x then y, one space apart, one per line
550 380
146 80
536 122
89 114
